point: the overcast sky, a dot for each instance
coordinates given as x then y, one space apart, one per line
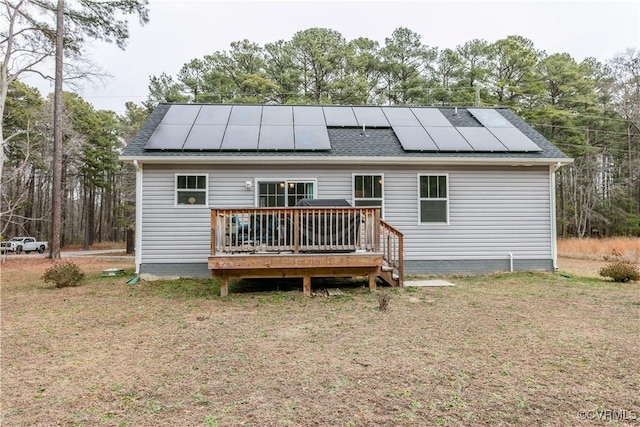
181 30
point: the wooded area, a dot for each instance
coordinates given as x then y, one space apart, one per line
589 109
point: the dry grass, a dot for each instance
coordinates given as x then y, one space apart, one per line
504 349
97 245
615 248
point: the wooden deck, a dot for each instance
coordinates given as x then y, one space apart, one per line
304 242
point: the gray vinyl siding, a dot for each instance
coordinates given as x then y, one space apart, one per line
493 211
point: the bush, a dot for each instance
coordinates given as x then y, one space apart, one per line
621 271
63 274
383 300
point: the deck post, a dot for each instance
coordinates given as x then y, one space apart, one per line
224 286
376 228
372 282
306 285
296 231
214 218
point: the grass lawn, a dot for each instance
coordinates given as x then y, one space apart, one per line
503 349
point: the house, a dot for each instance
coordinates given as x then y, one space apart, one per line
471 190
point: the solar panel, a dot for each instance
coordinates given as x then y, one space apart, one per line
204 137
414 138
514 139
481 139
277 115
311 138
400 116
245 115
240 138
181 115
213 115
340 116
370 117
276 138
490 118
168 137
448 138
431 117
304 115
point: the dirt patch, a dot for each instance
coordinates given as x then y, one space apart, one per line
503 349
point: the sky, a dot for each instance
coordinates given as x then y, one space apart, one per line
181 30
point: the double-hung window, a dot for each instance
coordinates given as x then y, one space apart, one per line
191 189
367 190
284 193
434 201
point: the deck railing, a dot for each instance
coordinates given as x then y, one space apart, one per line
298 229
392 244
305 229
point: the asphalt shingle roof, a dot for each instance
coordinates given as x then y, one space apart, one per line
351 142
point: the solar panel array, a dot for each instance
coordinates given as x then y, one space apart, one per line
195 127
503 130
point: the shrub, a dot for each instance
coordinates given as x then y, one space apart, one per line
63 274
621 271
383 300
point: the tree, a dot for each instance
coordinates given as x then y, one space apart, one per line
25 159
280 69
448 72
318 56
29 40
164 89
28 35
513 63
24 44
98 141
130 123
361 82
474 56
407 66
626 103
56 188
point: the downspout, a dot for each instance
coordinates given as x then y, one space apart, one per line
138 246
552 214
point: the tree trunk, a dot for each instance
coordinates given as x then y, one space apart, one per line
131 240
29 211
56 191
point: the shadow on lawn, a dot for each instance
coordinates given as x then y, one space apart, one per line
210 288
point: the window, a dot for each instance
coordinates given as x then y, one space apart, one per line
191 189
433 199
367 190
284 193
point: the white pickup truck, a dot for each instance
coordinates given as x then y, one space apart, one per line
20 244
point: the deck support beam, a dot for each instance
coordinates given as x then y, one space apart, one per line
306 285
372 282
224 286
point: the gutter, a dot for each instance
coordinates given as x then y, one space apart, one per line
318 160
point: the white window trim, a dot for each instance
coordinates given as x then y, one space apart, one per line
175 190
257 181
447 199
353 190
